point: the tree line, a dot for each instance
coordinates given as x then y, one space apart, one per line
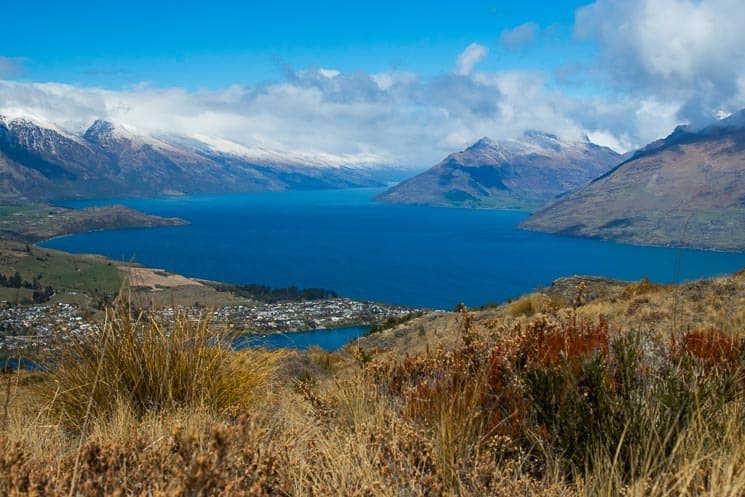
41 293
269 295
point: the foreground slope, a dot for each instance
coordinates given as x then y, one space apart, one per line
523 173
589 388
687 190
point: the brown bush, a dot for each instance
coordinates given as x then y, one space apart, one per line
231 461
713 348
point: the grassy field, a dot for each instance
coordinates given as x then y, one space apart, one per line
581 390
75 278
90 279
83 273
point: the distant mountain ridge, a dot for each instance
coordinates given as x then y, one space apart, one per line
522 173
42 162
686 190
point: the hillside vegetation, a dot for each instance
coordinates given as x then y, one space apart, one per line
587 388
91 280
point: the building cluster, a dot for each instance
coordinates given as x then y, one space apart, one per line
308 315
24 327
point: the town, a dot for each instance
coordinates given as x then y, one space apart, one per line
35 327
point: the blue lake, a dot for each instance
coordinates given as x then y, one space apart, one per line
331 339
341 240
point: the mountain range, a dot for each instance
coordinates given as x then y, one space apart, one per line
522 173
41 162
686 190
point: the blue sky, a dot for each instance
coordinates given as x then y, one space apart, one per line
390 83
213 44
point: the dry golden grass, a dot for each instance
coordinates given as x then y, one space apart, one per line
141 363
531 304
638 395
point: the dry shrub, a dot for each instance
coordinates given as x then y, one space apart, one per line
560 394
466 401
713 348
552 405
549 341
707 458
148 363
309 365
361 445
642 287
242 459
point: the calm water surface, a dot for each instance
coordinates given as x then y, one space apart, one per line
331 339
341 240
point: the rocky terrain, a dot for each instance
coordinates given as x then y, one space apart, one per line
686 190
523 173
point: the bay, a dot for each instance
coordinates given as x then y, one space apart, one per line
327 339
412 255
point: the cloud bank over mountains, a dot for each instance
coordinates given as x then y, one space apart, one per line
683 52
659 63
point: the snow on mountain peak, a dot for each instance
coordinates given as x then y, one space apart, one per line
213 144
530 142
102 130
22 117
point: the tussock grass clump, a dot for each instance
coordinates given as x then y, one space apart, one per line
642 287
529 305
141 362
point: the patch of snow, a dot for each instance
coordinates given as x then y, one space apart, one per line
204 144
140 137
213 144
17 116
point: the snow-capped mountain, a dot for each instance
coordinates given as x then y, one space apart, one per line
41 161
212 145
521 173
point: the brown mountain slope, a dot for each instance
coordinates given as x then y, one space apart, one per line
687 190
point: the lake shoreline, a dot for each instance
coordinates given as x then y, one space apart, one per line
417 256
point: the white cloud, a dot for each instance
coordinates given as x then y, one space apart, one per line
467 60
682 51
329 73
660 62
397 117
519 35
608 139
